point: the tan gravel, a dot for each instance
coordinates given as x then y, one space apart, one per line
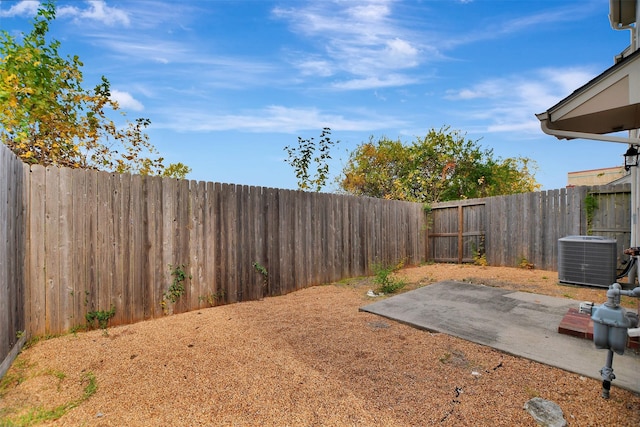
309 358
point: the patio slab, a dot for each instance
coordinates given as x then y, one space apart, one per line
518 323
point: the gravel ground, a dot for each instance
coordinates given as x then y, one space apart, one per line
309 358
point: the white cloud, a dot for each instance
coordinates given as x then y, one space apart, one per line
402 51
274 118
374 82
126 101
360 39
315 67
96 11
508 104
22 8
502 25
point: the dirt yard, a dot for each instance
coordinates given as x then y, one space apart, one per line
309 358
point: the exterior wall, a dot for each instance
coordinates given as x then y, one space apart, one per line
595 176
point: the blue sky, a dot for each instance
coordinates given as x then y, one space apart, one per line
228 84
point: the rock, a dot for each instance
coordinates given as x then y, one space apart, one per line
545 412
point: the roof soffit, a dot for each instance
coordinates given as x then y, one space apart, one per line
608 103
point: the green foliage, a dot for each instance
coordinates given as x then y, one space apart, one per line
261 269
383 278
48 118
442 166
263 272
479 253
525 264
590 207
176 289
307 154
100 316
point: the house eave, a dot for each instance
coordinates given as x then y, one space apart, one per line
608 103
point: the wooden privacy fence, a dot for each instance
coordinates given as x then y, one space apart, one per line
99 241
78 242
12 251
525 228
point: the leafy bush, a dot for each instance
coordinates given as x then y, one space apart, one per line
383 278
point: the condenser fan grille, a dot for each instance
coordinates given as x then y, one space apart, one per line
587 260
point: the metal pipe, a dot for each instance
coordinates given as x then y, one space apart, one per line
607 375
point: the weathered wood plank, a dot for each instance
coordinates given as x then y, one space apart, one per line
6 245
121 290
211 231
100 297
243 254
196 239
273 242
79 249
138 250
169 219
229 205
155 267
52 259
181 249
92 256
286 211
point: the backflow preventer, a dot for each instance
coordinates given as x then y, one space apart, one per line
612 326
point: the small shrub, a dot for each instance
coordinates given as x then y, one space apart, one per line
265 276
176 289
479 254
480 260
100 316
524 263
212 298
386 284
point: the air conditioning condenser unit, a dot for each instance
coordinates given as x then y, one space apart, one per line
587 260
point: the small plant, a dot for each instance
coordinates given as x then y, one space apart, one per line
264 273
479 254
308 154
524 263
211 298
100 316
480 260
176 289
590 207
386 284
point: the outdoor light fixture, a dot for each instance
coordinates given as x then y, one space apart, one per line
631 157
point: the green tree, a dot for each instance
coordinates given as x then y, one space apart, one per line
308 155
48 118
442 166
